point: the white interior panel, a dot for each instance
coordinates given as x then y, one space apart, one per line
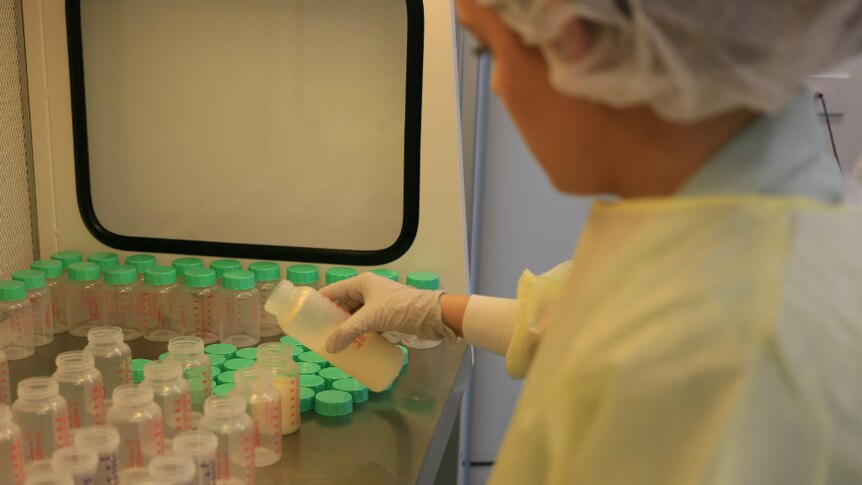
247 122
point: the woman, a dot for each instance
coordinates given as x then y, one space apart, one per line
707 329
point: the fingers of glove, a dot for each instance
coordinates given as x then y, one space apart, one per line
347 332
347 292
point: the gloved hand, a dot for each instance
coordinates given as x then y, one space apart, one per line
379 304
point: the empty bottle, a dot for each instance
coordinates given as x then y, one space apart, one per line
266 276
171 392
116 306
423 280
81 384
222 266
42 412
188 352
141 263
201 446
304 275
82 298
197 304
239 309
112 357
16 320
226 418
156 304
105 442
173 469
183 264
81 463
40 304
104 260
138 419
277 358
5 382
254 386
55 281
11 449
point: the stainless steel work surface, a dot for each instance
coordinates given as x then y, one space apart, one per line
396 437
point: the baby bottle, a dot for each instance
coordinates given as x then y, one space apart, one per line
171 393
263 404
138 419
81 384
40 304
16 320
11 449
226 418
112 357
197 299
277 358
55 281
44 414
117 309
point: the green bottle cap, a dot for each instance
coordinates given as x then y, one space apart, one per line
386 273
265 271
121 275
32 279
306 399
312 381
297 351
104 260
67 257
227 377
287 339
141 262
160 276
138 369
199 277
333 403
51 267
314 358
217 360
357 391
247 353
164 356
84 271
338 274
332 374
238 280
225 350
424 280
221 266
12 290
223 390
308 368
302 274
404 351
215 372
237 364
184 264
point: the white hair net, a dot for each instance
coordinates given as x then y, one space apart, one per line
689 59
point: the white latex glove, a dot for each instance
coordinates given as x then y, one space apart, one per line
379 304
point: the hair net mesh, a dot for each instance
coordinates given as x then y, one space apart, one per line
689 59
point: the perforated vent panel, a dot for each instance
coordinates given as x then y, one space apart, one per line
16 236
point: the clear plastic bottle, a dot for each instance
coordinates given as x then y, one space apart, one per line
50 477
81 463
188 352
11 449
197 302
226 418
171 392
116 305
141 263
40 304
304 275
173 469
277 358
43 416
138 419
104 260
16 320
82 298
254 386
423 280
266 276
222 266
201 446
55 281
183 264
239 309
5 382
156 304
309 317
105 441
81 384
112 356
